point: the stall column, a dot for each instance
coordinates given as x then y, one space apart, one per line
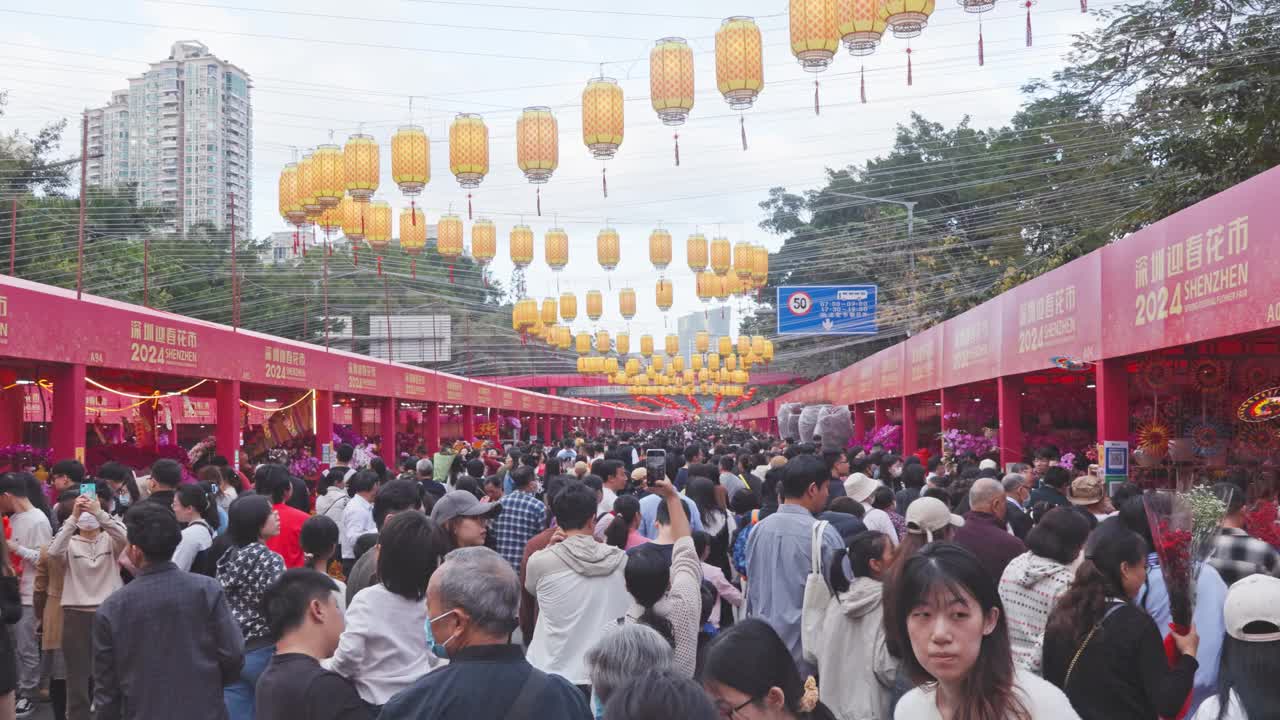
431 427
468 423
227 434
859 421
12 414
387 425
565 427
1113 400
67 437
323 415
882 413
1009 397
357 419
909 435
950 399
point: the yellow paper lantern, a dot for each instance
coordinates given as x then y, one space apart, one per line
697 252
671 80
752 358
677 363
449 237
610 365
696 362
665 294
353 218
521 246
739 61
568 307
906 18
537 144
861 25
702 341
330 220
627 303
744 345
633 367
413 231
549 312
724 345
537 330
744 256
646 345
329 179
602 117
582 343
732 285
608 248
525 314
757 344
410 159
361 166
660 249
378 226
657 364
622 343
731 363
719 287
673 344
557 248
760 266
469 149
815 33
713 362
595 305
484 242
703 375
603 345
290 204
721 256
768 351
308 182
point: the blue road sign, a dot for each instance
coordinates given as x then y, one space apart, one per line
827 310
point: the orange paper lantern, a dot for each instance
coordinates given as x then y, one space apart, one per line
361 167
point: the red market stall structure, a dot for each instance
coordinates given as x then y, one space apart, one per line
72 367
1159 340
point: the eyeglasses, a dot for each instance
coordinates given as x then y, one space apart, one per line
729 712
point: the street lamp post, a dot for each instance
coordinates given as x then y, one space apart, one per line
910 205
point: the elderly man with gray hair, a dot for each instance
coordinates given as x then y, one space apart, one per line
472 600
424 470
984 533
623 655
1017 491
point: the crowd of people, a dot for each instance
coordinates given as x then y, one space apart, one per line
699 571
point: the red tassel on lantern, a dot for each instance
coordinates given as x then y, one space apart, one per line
413 267
295 243
817 108
677 136
355 256
862 81
908 67
379 266
468 206
981 57
1028 23
538 193
742 124
1084 6
604 181
413 212
450 273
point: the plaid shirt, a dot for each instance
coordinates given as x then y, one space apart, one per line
522 517
1237 555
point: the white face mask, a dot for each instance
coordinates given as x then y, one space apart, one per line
86 521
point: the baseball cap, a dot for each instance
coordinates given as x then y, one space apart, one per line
1086 490
927 515
859 486
460 503
988 464
640 474
1253 600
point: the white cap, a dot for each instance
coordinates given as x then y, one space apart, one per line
928 515
859 487
1253 599
988 464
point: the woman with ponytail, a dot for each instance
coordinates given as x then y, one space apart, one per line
749 673
623 530
845 637
196 508
1103 651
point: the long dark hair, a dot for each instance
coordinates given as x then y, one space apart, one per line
1249 670
770 666
988 687
702 491
1084 603
625 509
862 548
199 497
648 575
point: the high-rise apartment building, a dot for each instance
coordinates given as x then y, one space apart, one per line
715 322
183 132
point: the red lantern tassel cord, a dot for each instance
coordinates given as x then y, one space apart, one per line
817 107
604 181
981 56
355 255
413 212
742 124
862 82
413 267
1084 6
468 206
379 266
908 67
677 137
538 194
450 273
1028 23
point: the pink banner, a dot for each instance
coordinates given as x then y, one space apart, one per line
1056 314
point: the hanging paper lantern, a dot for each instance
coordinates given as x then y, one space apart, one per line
688 377
468 149
521 246
906 18
632 367
768 351
720 286
702 341
354 220
752 358
537 144
290 204
524 314
739 61
308 182
568 307
757 344
410 159
565 340
705 286
713 362
744 256
413 231
697 252
622 343
760 266
671 80
665 293
724 345
602 117
646 345
660 249
744 345
696 362
582 343
673 345
627 303
602 342
815 33
608 248
733 286
861 25
449 237
378 226
610 365
327 164
557 248
484 243
721 256
330 220
361 167
595 305
677 363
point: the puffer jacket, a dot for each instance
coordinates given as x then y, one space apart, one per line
849 641
1029 590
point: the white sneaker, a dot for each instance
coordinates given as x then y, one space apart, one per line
24 707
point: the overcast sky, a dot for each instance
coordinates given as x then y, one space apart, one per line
318 68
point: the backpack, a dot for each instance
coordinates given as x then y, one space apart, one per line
740 542
205 562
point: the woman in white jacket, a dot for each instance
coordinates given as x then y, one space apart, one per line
1033 581
845 638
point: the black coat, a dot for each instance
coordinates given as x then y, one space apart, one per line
1019 520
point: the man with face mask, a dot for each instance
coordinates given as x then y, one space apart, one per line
471 608
164 619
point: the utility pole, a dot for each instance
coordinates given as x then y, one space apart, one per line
84 175
235 279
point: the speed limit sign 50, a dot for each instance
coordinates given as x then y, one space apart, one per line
799 303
